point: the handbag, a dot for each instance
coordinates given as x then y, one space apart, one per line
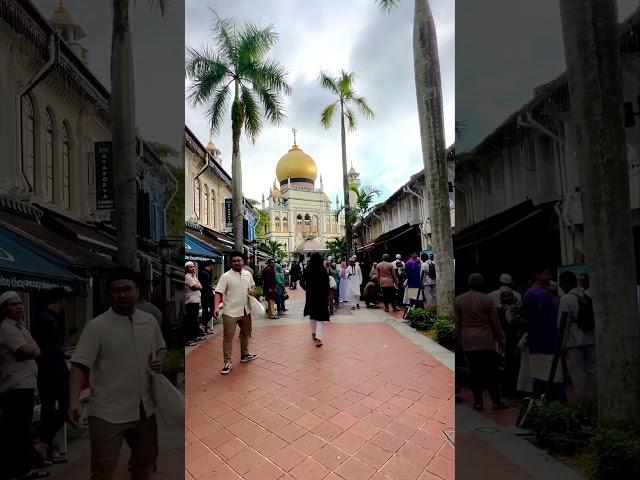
257 309
285 296
168 399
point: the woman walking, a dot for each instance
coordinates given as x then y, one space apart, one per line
315 282
344 286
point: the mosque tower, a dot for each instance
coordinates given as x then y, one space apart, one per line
353 177
69 31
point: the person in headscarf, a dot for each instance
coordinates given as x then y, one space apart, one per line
315 282
280 288
343 286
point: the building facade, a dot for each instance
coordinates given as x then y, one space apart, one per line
302 217
517 193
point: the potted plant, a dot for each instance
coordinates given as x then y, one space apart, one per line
258 292
173 365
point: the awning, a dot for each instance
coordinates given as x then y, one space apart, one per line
388 236
24 267
198 251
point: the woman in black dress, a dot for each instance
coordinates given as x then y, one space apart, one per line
315 282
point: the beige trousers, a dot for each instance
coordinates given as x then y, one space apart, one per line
106 440
229 329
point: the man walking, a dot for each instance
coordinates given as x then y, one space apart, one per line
388 280
354 280
116 350
18 372
206 298
269 288
53 374
413 270
478 333
192 297
580 342
233 290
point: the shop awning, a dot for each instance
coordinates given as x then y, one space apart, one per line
23 266
198 251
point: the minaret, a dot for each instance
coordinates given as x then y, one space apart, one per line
321 184
353 178
69 31
262 200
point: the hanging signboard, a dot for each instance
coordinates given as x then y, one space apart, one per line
228 212
104 176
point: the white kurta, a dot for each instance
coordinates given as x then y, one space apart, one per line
353 283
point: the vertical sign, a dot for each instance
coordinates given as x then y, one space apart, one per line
104 176
228 212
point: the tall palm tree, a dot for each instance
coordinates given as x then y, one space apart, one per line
239 70
273 248
342 87
430 115
123 131
365 196
337 248
591 40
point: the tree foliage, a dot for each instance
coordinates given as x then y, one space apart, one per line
337 248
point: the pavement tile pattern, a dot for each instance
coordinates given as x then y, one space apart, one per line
369 404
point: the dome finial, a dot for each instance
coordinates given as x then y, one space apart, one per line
294 130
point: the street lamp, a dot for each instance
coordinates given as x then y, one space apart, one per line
164 247
355 244
254 244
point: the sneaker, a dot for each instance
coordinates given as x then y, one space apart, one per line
248 357
227 368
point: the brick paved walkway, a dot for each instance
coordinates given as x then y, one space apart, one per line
369 404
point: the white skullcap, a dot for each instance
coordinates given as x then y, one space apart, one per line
398 256
189 264
505 279
10 295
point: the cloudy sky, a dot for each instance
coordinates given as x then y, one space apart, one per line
504 49
331 35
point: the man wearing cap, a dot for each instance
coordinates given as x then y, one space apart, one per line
192 296
53 374
354 280
478 332
18 379
399 267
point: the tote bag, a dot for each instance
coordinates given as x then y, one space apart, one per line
257 309
168 399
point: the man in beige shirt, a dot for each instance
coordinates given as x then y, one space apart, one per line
116 350
18 378
388 280
232 292
479 333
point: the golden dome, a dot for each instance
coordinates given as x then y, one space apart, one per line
296 165
275 192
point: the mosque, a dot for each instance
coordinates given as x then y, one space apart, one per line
303 218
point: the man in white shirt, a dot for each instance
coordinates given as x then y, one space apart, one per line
506 285
232 295
116 350
354 279
428 283
192 297
580 345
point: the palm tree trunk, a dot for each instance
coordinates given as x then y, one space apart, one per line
430 114
123 135
345 182
236 170
590 31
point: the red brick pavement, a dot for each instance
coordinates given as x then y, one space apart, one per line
369 404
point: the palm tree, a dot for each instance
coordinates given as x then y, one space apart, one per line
273 248
430 115
591 40
338 248
365 196
346 97
123 131
238 69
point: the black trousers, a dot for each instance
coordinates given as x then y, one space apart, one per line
190 324
53 388
484 370
16 445
207 306
388 296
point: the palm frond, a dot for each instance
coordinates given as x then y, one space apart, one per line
326 117
347 79
224 32
387 5
269 74
161 4
254 42
352 121
362 105
207 71
329 83
272 105
252 120
218 108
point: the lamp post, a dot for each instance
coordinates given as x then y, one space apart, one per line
164 247
355 244
254 244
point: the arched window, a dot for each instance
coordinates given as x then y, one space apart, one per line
28 141
66 168
196 197
213 208
277 223
206 204
299 220
48 157
285 223
307 219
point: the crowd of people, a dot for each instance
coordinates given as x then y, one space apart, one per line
509 339
115 353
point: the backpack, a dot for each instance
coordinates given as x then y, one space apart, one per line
586 319
432 271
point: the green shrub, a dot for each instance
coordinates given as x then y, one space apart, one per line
258 292
174 361
616 454
421 319
564 429
445 330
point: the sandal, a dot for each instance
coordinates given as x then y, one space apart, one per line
190 343
59 460
318 342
